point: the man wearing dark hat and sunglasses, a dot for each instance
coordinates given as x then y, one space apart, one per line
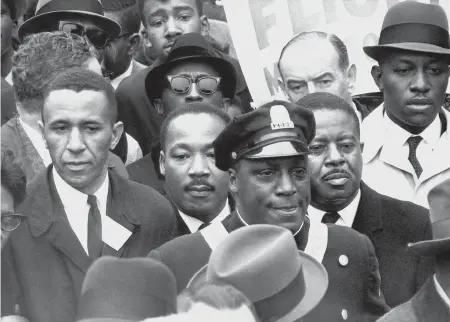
265 153
432 301
82 17
407 140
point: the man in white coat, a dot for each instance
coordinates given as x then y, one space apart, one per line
406 140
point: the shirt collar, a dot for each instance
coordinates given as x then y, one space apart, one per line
70 196
243 221
441 292
9 79
116 81
194 224
347 214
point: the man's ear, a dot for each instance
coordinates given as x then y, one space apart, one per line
134 41
41 127
376 75
162 159
157 103
351 76
226 102
145 39
232 182
205 26
117 134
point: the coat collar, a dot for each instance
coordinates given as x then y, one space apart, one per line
44 206
368 216
428 305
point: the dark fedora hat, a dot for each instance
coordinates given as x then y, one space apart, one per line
126 290
413 26
263 262
49 11
192 47
439 200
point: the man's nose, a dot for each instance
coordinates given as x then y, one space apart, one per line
285 186
199 166
172 28
194 94
334 156
76 142
420 82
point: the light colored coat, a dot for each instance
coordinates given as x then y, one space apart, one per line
391 175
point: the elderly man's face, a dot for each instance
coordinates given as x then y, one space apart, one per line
312 65
335 162
187 161
167 20
170 100
79 132
414 86
272 191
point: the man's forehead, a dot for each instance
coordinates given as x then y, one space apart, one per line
309 48
187 125
153 7
63 100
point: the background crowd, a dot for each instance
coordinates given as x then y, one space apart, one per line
141 182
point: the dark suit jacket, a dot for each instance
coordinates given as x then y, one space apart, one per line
425 306
391 224
354 287
139 116
8 100
48 258
143 171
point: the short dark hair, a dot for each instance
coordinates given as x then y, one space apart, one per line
142 3
126 14
220 296
13 177
334 40
79 79
323 101
40 58
192 108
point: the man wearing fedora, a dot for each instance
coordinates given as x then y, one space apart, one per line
164 22
432 301
263 262
193 72
265 152
410 154
77 210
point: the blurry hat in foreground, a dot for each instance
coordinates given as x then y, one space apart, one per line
118 289
439 200
276 129
263 262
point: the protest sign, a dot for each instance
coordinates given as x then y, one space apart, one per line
261 28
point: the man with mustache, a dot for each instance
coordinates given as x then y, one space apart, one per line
339 196
406 151
265 153
196 187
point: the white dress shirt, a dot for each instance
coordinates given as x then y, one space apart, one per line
194 224
76 206
347 215
38 142
441 291
116 81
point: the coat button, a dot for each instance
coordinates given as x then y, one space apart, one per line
343 260
344 314
233 155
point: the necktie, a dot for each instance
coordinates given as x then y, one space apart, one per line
413 143
95 243
330 217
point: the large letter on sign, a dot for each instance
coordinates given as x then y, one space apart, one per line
262 22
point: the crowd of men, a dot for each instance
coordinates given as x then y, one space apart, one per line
140 183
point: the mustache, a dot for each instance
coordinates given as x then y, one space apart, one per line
420 101
199 182
336 171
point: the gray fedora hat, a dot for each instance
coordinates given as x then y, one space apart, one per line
263 262
413 26
439 200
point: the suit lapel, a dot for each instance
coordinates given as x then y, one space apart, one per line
368 218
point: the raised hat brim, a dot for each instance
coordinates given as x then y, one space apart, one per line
316 285
431 247
36 23
375 52
280 149
224 66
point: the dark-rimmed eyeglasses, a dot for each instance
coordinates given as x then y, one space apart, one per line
97 37
182 84
10 222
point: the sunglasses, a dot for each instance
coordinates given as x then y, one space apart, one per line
97 37
182 84
10 222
